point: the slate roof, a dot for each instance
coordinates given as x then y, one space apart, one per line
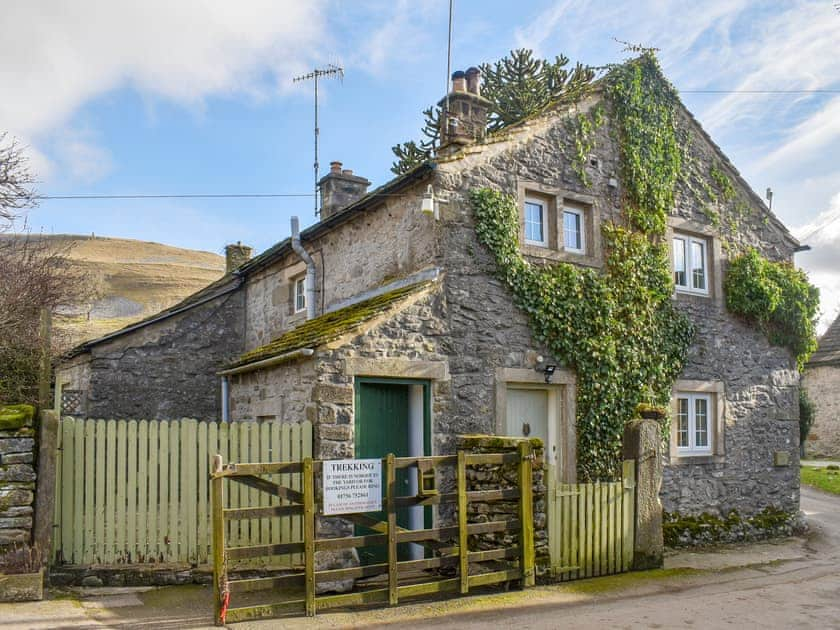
330 326
828 348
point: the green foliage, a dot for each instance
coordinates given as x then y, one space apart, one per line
582 128
518 86
408 155
618 330
644 105
19 369
722 181
806 415
778 297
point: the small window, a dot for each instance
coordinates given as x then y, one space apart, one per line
536 215
694 424
690 265
573 238
300 295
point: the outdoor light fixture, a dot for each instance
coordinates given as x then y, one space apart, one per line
430 202
548 370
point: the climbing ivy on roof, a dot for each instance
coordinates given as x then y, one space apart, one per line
618 329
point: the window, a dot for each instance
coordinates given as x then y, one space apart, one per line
694 424
573 238
300 295
690 265
536 222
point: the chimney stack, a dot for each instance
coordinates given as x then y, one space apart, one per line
465 121
236 256
339 188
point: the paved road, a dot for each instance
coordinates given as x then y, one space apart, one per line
801 593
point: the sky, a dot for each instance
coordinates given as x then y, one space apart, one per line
198 97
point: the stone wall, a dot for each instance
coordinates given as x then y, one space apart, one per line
390 241
17 482
163 370
823 385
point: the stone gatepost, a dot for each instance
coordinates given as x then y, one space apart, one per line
643 443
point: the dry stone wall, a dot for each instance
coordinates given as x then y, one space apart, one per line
17 478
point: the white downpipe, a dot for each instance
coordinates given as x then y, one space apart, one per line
415 449
310 268
225 399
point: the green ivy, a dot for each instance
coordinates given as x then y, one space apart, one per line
618 330
582 129
778 297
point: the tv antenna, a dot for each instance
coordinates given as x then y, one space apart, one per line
331 70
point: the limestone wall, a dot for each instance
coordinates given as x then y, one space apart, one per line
17 479
823 385
164 370
390 241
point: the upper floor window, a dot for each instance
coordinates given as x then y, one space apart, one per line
536 222
694 424
691 267
300 295
573 230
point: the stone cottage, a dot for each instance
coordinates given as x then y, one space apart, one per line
822 382
386 325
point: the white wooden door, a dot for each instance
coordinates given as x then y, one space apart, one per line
534 412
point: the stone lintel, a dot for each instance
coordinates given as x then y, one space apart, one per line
397 368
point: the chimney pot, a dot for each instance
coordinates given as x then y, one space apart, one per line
335 167
339 188
459 83
473 76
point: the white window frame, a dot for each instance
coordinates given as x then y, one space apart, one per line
581 227
299 295
711 421
544 205
688 241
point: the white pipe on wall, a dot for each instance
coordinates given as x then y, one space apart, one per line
415 449
225 399
310 268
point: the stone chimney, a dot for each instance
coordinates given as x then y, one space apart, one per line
339 188
465 122
236 256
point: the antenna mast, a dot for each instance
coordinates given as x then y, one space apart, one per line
330 70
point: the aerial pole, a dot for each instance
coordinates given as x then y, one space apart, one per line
330 71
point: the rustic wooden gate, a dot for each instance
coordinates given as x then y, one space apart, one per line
591 526
137 491
449 565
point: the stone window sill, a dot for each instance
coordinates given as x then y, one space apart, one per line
691 460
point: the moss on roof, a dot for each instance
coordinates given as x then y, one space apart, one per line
330 326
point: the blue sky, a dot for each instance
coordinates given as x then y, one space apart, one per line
196 97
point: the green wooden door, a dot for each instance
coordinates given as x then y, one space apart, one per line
382 427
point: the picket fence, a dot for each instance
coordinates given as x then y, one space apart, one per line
591 526
137 491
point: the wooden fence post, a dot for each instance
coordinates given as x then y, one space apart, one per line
463 539
309 535
628 511
219 565
390 489
526 514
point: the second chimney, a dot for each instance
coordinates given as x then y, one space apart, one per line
339 188
236 256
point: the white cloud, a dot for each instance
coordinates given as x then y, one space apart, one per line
822 262
56 56
81 156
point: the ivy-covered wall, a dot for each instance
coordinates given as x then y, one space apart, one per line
496 324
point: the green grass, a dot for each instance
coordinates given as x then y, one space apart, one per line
822 478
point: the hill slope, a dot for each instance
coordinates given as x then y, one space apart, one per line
129 280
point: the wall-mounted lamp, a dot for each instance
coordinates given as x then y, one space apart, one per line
430 202
547 369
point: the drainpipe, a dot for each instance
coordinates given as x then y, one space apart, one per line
310 268
225 399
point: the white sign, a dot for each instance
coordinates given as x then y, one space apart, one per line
352 485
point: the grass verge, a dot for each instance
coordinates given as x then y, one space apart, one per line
827 479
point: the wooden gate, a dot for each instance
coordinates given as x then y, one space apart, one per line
137 491
448 553
591 526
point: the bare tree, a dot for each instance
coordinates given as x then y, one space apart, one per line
16 192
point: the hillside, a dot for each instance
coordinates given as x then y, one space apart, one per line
129 280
